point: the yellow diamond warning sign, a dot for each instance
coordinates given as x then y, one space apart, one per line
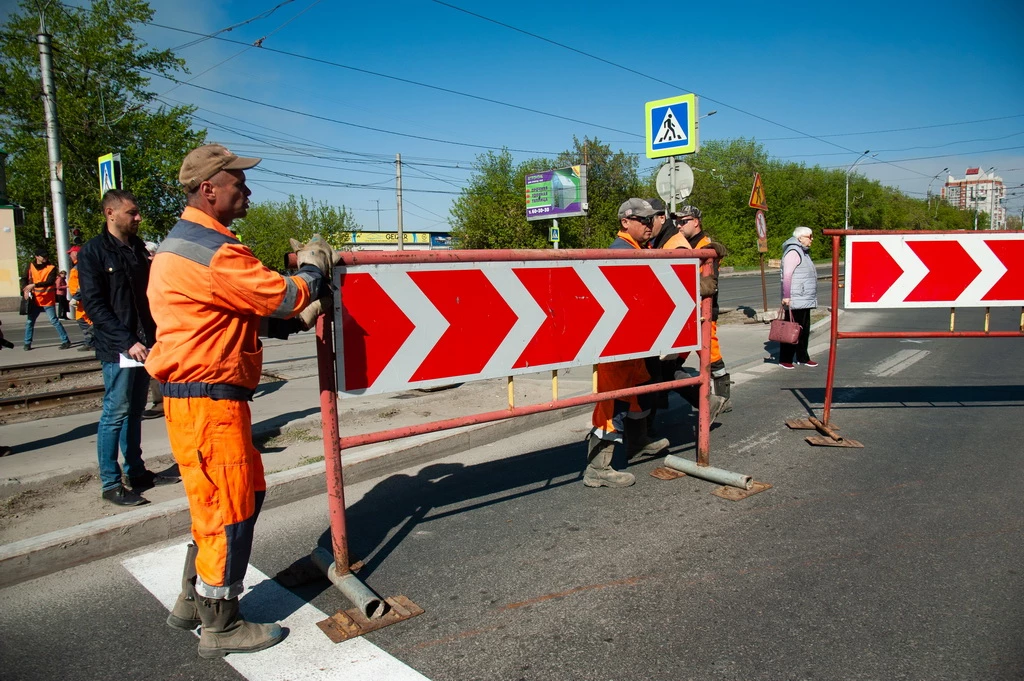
757 199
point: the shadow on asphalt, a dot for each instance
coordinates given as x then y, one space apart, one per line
76 433
913 397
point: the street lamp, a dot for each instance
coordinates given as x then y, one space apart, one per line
849 170
944 170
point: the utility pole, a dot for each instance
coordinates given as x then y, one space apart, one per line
378 213
60 206
398 181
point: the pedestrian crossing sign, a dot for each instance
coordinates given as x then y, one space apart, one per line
672 126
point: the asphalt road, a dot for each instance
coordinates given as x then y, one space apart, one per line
901 560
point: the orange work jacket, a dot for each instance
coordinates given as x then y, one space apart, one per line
208 294
45 293
73 287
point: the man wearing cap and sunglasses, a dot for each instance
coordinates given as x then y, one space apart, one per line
212 299
622 421
685 231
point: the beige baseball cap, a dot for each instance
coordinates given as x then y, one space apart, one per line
206 161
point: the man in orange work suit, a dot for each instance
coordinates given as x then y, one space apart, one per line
613 418
210 298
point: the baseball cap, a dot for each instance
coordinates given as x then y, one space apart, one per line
74 249
687 212
637 207
206 161
658 205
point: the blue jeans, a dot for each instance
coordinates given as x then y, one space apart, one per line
30 322
121 423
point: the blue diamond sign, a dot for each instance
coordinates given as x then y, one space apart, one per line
672 126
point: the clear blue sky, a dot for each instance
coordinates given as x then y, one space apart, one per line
948 76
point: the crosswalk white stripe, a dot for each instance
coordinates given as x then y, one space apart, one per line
898 362
306 653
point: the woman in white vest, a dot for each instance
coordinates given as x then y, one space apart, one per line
799 295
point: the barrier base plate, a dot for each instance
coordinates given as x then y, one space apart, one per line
346 624
822 441
802 424
666 473
737 494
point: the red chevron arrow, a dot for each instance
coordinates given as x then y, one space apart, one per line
872 271
649 307
1011 285
478 321
373 329
688 334
572 313
950 270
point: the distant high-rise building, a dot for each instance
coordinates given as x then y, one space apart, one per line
979 192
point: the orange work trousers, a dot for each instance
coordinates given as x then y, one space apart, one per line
716 349
222 472
609 415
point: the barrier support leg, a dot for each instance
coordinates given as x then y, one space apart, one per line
371 611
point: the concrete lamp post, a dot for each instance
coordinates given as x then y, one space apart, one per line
846 224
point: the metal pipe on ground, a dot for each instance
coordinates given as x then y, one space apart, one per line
711 473
362 596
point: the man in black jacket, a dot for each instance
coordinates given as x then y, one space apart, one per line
113 270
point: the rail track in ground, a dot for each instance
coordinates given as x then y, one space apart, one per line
46 378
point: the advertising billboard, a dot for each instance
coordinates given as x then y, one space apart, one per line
560 193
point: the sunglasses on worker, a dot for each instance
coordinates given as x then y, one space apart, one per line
641 220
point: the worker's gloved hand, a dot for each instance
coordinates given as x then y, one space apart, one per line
307 318
315 252
719 249
708 286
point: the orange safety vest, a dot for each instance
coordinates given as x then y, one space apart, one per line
208 294
46 294
73 287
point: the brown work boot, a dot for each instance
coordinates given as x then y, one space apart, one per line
638 442
185 613
224 631
599 471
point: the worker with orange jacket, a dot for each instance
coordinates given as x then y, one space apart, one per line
685 231
39 287
621 420
75 294
210 298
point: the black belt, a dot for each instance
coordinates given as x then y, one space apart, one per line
215 391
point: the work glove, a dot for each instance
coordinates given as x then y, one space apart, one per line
307 318
317 253
708 286
720 249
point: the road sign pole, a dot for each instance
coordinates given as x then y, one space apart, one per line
672 184
555 225
764 288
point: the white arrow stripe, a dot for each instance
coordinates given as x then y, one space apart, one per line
913 269
684 305
429 322
992 269
531 317
306 653
614 309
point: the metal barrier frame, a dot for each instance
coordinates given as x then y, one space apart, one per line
370 606
837 335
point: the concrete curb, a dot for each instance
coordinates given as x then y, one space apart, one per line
30 558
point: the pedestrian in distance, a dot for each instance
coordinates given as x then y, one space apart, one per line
799 295
211 299
114 271
62 295
75 295
39 287
622 421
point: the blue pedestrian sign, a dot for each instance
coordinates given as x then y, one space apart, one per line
672 126
553 235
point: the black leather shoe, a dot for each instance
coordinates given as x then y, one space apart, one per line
149 480
121 496
153 413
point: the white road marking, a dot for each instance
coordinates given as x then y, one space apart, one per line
898 362
761 368
306 653
748 443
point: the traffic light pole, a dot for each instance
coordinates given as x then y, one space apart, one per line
60 207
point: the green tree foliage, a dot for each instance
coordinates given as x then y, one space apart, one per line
101 74
491 212
268 226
